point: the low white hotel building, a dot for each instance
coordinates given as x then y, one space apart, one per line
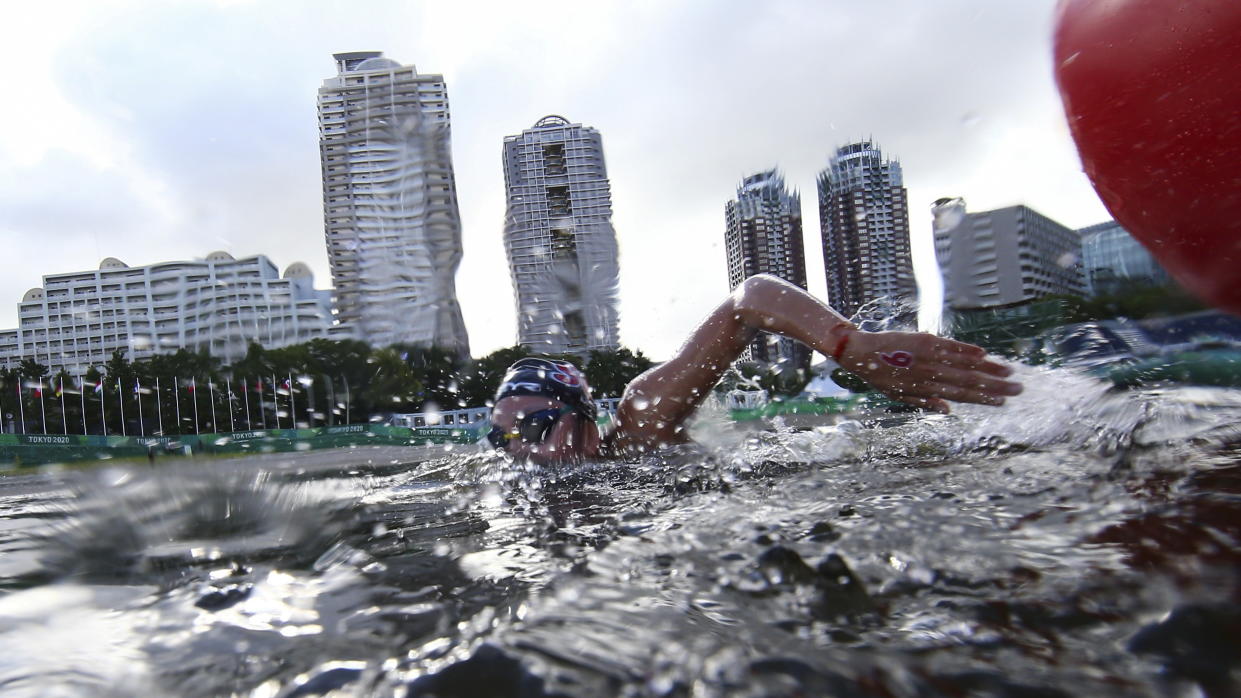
220 304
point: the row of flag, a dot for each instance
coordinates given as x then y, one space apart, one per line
287 387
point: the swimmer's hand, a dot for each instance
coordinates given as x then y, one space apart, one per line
925 371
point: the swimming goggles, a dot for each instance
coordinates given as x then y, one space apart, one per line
531 429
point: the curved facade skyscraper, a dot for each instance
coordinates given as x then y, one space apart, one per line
558 234
763 235
864 216
390 203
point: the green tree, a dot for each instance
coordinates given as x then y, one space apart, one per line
120 410
393 386
94 416
480 379
255 364
340 368
851 381
1140 299
169 378
439 372
784 379
68 411
608 372
31 370
10 393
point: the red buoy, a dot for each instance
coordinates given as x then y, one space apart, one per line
1152 91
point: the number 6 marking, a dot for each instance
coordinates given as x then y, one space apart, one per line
899 359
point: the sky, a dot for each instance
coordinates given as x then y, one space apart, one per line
156 131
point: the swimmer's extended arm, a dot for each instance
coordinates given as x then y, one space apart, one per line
913 367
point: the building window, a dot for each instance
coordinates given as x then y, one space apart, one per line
558 201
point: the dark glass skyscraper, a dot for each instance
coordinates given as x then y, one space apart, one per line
1113 260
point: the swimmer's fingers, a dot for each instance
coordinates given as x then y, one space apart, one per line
972 380
948 383
938 390
968 356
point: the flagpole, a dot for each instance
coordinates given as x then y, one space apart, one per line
346 382
82 394
138 396
42 407
292 402
120 399
176 393
102 388
275 400
159 410
215 427
21 403
64 419
228 385
245 395
262 412
310 399
331 400
194 396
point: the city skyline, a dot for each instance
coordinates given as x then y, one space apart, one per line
136 147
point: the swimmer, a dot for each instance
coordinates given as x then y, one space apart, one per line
543 411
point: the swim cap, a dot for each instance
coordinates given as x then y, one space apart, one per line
559 380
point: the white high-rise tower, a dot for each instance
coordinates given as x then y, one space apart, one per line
390 203
559 238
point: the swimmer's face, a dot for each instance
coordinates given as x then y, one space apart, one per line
572 438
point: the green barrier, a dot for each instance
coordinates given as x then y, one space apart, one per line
828 405
1220 368
39 449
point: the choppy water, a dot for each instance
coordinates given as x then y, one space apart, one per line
1078 542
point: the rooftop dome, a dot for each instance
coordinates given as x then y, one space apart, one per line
551 120
34 294
220 256
298 270
112 263
378 64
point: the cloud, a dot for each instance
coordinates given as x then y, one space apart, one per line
65 213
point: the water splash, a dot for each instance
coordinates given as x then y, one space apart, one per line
993 551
